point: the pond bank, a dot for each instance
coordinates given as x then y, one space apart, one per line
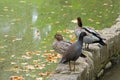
98 58
113 72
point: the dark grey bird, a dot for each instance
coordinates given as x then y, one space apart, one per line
74 51
92 35
60 45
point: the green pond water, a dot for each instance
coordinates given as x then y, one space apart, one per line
29 26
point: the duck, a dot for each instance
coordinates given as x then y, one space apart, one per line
92 35
60 45
74 51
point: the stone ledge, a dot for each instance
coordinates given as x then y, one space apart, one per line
97 58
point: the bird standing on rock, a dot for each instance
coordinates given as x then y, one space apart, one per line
74 51
92 35
60 45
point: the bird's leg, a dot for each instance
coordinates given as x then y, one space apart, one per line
74 65
69 66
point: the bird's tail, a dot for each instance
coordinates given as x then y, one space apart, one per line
63 61
82 55
102 43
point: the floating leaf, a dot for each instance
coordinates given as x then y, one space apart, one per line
74 21
42 74
22 1
16 39
97 22
5 9
16 78
18 19
30 67
5 35
13 62
39 78
52 50
72 40
105 4
39 66
49 73
26 57
2 59
90 19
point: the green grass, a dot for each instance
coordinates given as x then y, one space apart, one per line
58 14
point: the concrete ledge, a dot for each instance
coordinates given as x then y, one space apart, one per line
98 58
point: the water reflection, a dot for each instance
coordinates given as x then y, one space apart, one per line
46 30
36 34
5 29
34 15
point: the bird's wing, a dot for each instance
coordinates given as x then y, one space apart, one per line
93 32
61 46
90 30
67 42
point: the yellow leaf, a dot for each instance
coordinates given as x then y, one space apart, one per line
74 21
97 22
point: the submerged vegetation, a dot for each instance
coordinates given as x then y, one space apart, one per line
27 28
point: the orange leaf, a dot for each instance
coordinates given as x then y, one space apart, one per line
16 78
42 74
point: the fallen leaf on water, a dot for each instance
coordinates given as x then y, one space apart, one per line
83 13
3 46
13 62
105 4
5 35
42 74
90 19
5 9
59 31
39 78
2 59
57 22
12 56
49 73
97 22
16 66
24 63
26 57
18 19
57 55
52 12
15 69
51 57
72 40
16 39
74 21
29 53
51 50
16 78
39 66
12 10
43 42
22 1
44 46
64 14
30 67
